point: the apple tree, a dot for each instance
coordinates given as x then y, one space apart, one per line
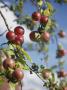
42 26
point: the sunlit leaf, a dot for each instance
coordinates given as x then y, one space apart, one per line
24 52
12 86
1 81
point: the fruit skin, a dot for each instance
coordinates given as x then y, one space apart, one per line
8 63
46 73
34 36
45 36
44 19
61 73
65 88
61 53
62 34
36 16
18 74
18 40
19 30
10 35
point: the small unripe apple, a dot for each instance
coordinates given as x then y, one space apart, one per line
36 16
61 73
61 53
18 74
8 63
62 34
46 73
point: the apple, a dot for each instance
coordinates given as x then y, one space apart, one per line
61 73
61 53
44 19
65 88
18 40
18 74
46 73
45 36
36 16
19 30
62 34
8 63
10 35
34 36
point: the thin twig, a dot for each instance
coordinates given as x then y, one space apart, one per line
21 85
5 5
4 21
35 73
34 3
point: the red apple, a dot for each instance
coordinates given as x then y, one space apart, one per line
62 34
18 74
8 63
10 35
36 16
61 53
34 36
19 30
44 19
18 40
65 88
45 36
61 73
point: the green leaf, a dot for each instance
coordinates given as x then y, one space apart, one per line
54 67
1 81
49 5
12 86
26 67
40 2
24 52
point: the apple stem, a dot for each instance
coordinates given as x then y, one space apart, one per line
21 85
4 21
56 41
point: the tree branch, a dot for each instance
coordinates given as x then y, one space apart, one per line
35 73
4 21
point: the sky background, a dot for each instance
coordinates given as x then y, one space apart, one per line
61 18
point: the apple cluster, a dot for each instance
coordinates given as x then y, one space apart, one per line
43 35
60 50
13 74
40 34
16 37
